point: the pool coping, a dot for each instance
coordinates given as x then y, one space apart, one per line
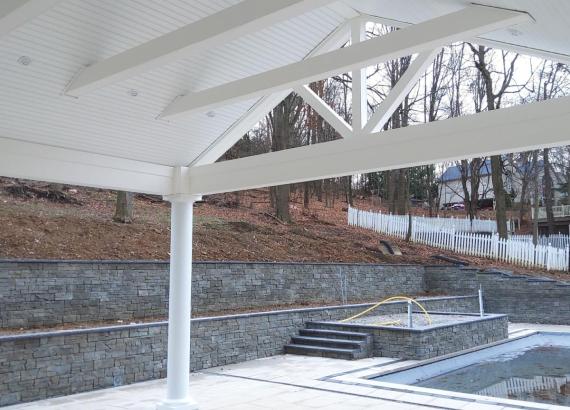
390 388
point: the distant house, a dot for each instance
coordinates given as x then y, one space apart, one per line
451 188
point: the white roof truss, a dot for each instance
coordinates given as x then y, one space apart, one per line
334 40
402 88
245 17
486 133
325 111
14 13
359 91
466 23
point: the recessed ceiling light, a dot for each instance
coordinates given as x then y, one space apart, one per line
25 60
514 32
132 92
211 114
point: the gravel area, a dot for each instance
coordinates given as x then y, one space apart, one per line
401 320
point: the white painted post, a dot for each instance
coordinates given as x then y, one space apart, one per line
410 322
179 305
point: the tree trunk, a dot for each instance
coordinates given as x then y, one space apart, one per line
124 207
349 190
499 190
282 203
306 194
548 192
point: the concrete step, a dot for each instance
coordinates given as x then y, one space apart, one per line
335 353
334 334
326 342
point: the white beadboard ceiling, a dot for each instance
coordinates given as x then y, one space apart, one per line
110 121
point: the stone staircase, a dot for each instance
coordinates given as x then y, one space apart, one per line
336 344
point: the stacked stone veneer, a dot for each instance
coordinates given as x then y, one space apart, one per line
37 293
523 298
432 341
40 365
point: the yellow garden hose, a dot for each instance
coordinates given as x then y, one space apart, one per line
377 305
391 323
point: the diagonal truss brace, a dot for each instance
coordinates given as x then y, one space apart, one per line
325 111
402 88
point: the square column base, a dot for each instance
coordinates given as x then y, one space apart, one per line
186 404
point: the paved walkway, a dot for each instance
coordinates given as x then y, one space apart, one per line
277 383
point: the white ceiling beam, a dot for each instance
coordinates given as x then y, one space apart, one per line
325 111
336 39
483 41
402 88
521 128
14 13
359 91
19 159
245 17
466 23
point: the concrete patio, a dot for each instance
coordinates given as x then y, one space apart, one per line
282 382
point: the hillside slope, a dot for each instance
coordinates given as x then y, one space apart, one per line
41 229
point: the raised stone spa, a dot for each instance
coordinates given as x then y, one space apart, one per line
448 333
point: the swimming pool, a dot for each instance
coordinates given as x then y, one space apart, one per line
533 368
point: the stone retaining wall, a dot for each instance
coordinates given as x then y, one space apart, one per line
39 293
524 299
41 365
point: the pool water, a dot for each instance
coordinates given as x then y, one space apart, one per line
539 373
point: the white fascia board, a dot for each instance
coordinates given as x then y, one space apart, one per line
521 128
336 39
14 13
243 18
26 160
402 88
325 111
431 34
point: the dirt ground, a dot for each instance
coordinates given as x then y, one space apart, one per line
40 229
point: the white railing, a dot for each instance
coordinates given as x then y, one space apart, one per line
557 241
560 211
485 245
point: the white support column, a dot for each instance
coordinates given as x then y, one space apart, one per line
179 305
359 100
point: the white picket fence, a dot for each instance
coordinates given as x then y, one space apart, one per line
485 245
557 241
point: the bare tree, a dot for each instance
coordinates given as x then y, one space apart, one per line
124 207
494 95
283 122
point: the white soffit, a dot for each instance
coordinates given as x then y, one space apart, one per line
111 121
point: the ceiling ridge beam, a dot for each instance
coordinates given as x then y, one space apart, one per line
483 134
28 160
325 111
14 13
217 29
402 88
468 22
336 39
